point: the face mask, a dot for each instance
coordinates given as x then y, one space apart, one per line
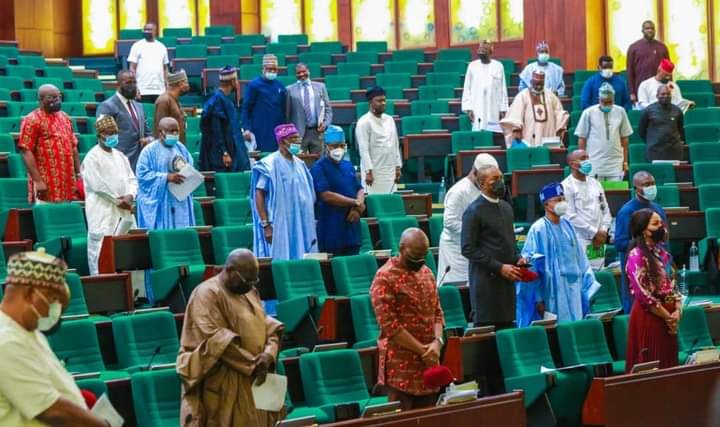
414 265
337 154
543 57
241 286
53 107
658 235
294 149
561 208
270 76
585 167
664 81
484 57
537 91
171 140
111 141
606 73
649 193
129 91
54 312
498 188
148 35
606 108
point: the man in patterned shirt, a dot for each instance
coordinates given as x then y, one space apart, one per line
407 308
49 149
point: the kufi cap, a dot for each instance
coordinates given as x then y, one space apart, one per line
269 59
334 135
606 91
105 122
177 77
551 190
542 46
538 75
227 73
374 91
484 159
667 65
37 269
285 130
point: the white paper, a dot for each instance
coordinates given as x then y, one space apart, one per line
549 316
270 396
193 179
105 410
124 225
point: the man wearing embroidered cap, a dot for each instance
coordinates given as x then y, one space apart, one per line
283 201
647 92
264 106
379 146
35 389
341 198
553 72
223 148
566 281
168 104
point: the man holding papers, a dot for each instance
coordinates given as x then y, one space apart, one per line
163 202
228 344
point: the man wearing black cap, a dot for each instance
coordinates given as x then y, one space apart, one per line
223 147
377 138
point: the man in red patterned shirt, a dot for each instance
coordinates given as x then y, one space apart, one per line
411 322
49 148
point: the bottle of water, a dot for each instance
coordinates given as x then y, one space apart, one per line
682 286
442 191
694 258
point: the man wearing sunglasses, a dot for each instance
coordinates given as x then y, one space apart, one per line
227 344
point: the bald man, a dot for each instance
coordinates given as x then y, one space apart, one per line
49 148
457 200
645 193
227 343
411 322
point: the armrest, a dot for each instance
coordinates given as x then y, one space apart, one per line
291 312
164 280
534 385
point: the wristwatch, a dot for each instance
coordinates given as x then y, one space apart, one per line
265 223
440 340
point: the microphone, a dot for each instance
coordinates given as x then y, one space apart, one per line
247 217
373 392
155 353
442 278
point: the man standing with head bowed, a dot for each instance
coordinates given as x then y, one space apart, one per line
263 106
484 97
308 107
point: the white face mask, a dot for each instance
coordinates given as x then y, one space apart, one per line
270 76
54 313
561 208
337 154
543 58
606 73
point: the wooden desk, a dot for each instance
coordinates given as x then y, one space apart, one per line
681 396
464 159
421 146
108 293
529 183
687 225
505 410
475 358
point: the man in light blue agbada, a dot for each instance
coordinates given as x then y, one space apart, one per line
566 281
157 166
283 202
553 72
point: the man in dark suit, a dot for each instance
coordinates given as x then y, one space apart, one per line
308 108
129 115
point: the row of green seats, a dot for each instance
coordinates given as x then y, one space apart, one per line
17 82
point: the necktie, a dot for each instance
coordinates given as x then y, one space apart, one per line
309 119
135 120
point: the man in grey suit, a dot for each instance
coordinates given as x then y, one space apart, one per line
308 107
129 115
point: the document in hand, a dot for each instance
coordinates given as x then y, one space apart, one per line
193 179
105 410
270 396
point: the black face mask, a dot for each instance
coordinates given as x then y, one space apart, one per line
498 188
128 91
414 265
239 285
54 106
484 57
664 81
658 235
148 35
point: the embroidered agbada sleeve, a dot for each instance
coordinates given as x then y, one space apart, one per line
639 281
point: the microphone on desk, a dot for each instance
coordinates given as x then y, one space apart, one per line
155 353
442 278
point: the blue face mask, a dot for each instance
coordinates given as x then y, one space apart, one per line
649 192
585 167
606 108
111 141
294 149
171 140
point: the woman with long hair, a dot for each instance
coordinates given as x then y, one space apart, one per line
656 313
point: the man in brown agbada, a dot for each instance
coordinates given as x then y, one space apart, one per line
227 343
168 104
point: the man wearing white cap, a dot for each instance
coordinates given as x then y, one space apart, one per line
457 200
264 106
168 104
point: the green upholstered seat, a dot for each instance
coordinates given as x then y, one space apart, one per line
417 55
322 58
620 334
693 332
232 211
709 196
364 321
13 195
156 398
526 158
392 228
366 243
327 47
663 172
403 67
360 56
452 306
232 185
227 238
77 304
139 337
469 140
371 46
444 66
706 172
425 107
293 38
177 32
432 92
236 49
452 78
704 150
252 39
199 214
283 48
64 73
417 124
606 298
393 79
353 274
436 227
219 61
60 228
220 30
385 205
455 54
297 282
357 68
583 343
172 251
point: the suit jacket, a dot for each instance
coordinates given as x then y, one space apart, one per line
294 111
129 136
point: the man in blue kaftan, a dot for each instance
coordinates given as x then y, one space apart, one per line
566 281
157 207
283 202
553 72
264 106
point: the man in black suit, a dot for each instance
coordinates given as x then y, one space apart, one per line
129 115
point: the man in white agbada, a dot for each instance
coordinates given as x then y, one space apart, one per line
457 199
588 210
647 91
484 97
379 146
110 189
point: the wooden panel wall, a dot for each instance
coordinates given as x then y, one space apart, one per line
562 24
49 26
7 20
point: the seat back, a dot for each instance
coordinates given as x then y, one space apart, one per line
450 66
293 38
357 68
363 317
156 397
463 54
663 172
252 39
322 58
250 71
139 337
620 335
393 79
452 306
706 172
526 158
436 227
236 49
199 214
297 278
425 107
606 298
371 46
452 78
232 185
416 55
331 377
523 351
284 48
433 92
366 243
693 331
77 304
357 56
712 222
704 150
583 342
353 274
172 248
13 194
404 67
177 32
220 30
77 345
347 81
327 47
227 238
416 124
468 140
54 220
392 228
232 211
385 205
219 61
